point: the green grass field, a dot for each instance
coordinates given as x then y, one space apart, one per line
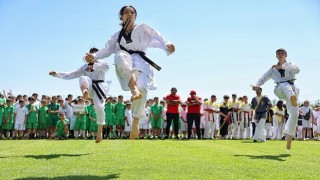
157 159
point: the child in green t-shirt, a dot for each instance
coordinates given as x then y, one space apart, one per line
80 123
61 128
53 110
8 118
32 121
90 106
109 111
93 123
43 119
156 117
119 111
2 106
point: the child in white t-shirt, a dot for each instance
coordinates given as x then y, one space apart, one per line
128 119
20 119
184 124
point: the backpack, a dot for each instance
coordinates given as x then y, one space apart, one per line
307 116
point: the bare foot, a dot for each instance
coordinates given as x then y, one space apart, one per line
137 96
133 136
85 94
98 139
289 141
294 100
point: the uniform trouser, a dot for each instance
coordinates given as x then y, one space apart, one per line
125 71
277 129
235 129
268 130
223 127
235 125
98 103
196 118
138 105
253 124
285 91
175 118
244 128
259 134
209 129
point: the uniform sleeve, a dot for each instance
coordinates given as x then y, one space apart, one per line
109 49
289 66
266 76
70 75
152 38
101 66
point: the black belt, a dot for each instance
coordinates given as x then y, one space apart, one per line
141 53
290 82
97 89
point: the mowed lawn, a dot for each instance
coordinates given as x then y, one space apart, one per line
158 159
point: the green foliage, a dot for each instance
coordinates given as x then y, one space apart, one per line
157 159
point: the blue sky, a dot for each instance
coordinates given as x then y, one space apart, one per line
221 46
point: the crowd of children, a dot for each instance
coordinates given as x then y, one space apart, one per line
53 117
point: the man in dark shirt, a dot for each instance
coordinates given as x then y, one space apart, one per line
260 104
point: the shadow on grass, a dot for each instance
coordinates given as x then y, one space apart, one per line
52 156
280 157
46 156
251 142
110 176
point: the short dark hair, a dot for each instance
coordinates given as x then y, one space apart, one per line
173 88
93 50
